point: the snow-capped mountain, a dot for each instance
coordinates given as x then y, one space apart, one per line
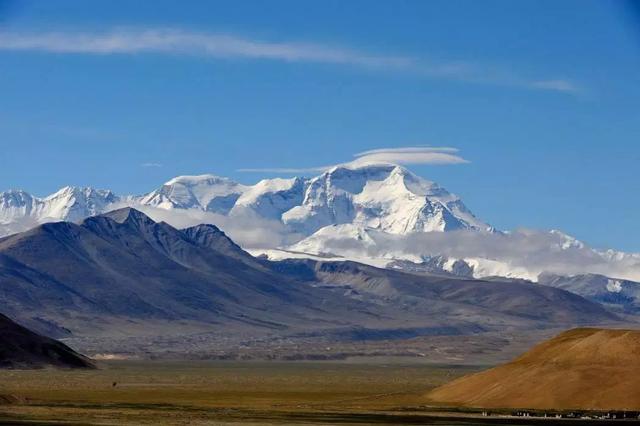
388 198
382 197
20 210
385 197
270 198
381 214
204 192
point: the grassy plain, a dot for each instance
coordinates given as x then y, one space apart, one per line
201 392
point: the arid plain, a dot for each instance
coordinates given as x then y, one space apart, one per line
202 392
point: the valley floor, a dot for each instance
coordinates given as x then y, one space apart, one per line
229 393
205 392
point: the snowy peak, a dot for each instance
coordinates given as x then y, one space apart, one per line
75 203
385 197
271 198
69 203
382 197
203 192
567 241
15 203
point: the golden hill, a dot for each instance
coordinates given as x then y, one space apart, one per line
583 368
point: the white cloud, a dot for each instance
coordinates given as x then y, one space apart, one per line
404 155
529 251
246 229
185 42
410 155
180 42
151 165
557 85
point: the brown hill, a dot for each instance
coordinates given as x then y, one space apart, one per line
583 368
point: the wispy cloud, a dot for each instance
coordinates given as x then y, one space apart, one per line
151 165
180 42
557 85
403 155
184 42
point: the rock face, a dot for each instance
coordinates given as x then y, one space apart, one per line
584 368
22 348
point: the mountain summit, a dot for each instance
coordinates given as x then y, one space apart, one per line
204 192
385 197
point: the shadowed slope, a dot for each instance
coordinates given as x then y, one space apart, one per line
22 348
124 264
484 302
584 368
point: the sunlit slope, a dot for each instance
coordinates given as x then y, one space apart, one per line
585 368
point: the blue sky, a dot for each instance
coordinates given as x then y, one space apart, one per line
541 97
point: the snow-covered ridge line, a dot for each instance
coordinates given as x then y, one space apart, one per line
378 196
68 203
375 213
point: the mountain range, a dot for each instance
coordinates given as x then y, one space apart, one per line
379 214
384 197
123 282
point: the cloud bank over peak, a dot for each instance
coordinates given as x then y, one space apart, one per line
403 156
411 155
523 253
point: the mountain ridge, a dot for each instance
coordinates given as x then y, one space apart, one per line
340 195
373 213
122 275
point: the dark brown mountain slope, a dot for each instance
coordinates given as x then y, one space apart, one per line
22 348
